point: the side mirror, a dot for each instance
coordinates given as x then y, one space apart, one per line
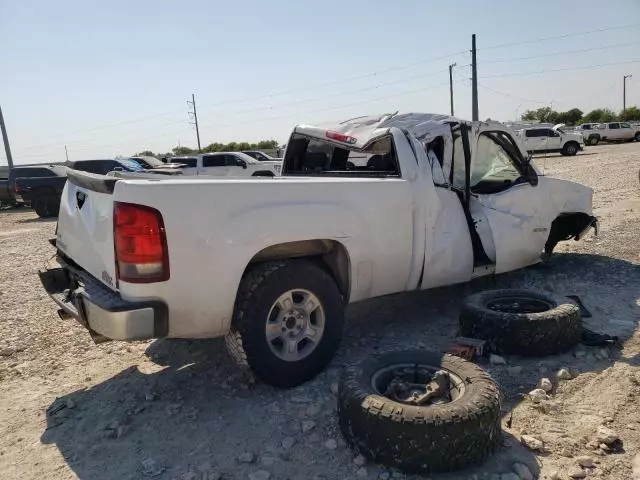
243 164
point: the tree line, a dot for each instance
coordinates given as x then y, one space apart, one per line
575 116
215 147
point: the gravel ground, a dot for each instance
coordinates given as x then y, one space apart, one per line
181 410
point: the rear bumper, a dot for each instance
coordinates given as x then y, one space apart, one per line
100 310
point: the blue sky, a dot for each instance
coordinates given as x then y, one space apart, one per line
109 78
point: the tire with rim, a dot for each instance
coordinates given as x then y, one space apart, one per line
287 322
570 149
637 137
420 439
46 206
594 140
521 322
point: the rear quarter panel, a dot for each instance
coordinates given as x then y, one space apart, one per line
214 229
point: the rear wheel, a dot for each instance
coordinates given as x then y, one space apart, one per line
287 322
570 149
46 206
637 137
594 140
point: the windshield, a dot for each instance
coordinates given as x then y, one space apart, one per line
152 161
131 165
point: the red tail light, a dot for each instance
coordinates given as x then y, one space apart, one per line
140 244
341 137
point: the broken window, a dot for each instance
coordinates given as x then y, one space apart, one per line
313 156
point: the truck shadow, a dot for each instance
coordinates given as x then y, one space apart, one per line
193 411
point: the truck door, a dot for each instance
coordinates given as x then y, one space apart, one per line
554 139
505 192
214 165
535 140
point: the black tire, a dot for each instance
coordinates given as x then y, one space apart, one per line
594 140
554 330
260 287
637 137
46 206
420 439
570 149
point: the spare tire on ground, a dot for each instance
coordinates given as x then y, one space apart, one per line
521 322
450 432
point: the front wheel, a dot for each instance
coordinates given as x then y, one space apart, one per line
287 322
570 149
637 137
594 141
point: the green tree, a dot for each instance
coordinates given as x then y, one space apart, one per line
147 153
599 115
570 117
182 151
543 115
630 114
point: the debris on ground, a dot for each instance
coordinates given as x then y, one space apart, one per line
496 359
150 468
577 472
538 395
532 443
584 313
606 435
546 385
564 374
595 339
437 390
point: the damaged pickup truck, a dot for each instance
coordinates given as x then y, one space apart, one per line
372 206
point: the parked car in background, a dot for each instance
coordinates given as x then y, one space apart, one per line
7 186
153 163
617 132
229 164
551 140
43 192
589 133
271 263
260 156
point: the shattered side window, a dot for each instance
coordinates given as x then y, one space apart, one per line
313 156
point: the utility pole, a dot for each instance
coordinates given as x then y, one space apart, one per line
195 117
624 91
474 80
66 153
5 138
451 85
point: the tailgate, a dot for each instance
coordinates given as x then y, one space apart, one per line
85 224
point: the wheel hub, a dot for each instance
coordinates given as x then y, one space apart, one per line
295 325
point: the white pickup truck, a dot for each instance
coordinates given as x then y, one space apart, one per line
616 132
227 164
271 263
551 140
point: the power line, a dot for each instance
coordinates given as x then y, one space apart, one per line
564 52
556 37
289 104
584 67
385 97
572 100
337 82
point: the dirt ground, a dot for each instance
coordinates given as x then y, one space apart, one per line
181 409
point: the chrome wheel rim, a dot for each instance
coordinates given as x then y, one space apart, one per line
295 325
